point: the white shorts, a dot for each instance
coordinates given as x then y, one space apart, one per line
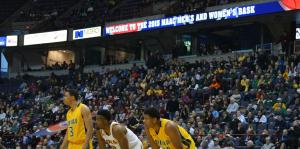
138 146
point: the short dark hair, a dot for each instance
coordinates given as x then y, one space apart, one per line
105 113
152 112
73 92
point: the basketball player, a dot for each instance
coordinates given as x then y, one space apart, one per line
114 134
79 120
165 134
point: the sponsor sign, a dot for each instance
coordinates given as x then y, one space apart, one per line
46 37
87 33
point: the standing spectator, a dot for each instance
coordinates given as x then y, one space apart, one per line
172 107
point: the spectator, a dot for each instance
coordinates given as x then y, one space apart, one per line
268 144
206 115
250 144
241 117
215 86
279 107
233 106
172 107
245 84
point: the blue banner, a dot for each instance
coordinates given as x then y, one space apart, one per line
2 41
192 18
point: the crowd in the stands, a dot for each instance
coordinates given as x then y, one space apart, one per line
87 13
251 100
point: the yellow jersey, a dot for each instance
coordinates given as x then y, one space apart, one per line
76 129
163 140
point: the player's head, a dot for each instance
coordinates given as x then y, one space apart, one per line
70 96
103 118
151 117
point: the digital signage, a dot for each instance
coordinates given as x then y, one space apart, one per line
192 18
45 37
9 41
87 33
2 41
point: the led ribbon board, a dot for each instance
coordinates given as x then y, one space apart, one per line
192 18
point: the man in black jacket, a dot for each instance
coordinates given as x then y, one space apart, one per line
172 107
294 135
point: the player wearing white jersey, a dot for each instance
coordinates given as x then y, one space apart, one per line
114 134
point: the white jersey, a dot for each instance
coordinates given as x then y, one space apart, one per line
133 140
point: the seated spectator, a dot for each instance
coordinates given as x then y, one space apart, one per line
284 139
233 106
241 117
260 118
245 83
236 95
268 144
279 107
250 144
215 86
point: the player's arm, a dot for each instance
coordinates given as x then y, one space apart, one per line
174 135
101 141
151 141
119 132
87 118
65 141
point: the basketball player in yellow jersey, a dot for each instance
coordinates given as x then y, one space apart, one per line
80 126
165 134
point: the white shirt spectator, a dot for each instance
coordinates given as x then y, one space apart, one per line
197 77
55 109
263 119
211 144
2 116
106 107
37 98
89 95
86 90
236 96
122 117
268 146
232 107
192 131
242 119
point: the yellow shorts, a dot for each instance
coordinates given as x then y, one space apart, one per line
79 146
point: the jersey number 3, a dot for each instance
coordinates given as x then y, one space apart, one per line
71 131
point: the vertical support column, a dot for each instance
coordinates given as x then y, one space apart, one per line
194 45
261 36
102 51
142 58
